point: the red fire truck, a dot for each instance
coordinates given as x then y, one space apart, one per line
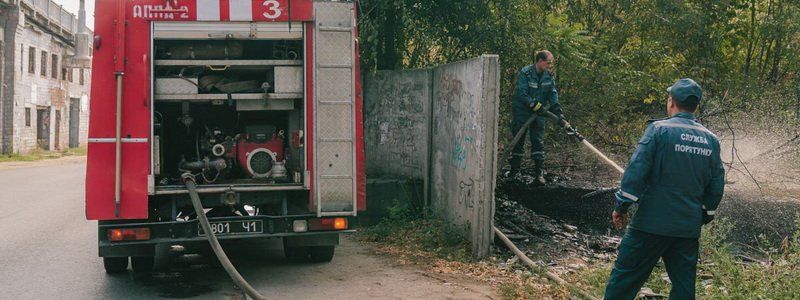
257 100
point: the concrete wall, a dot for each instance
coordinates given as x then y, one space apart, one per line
397 123
463 168
397 107
440 125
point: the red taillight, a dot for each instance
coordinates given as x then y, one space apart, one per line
327 224
129 234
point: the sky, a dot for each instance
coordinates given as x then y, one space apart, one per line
72 6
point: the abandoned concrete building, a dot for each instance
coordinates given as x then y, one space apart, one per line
44 96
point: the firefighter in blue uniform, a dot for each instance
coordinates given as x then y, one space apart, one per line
535 91
676 178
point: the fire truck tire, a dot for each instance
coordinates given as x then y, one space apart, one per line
142 264
321 253
115 264
294 254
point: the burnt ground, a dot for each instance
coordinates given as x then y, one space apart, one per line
554 225
559 227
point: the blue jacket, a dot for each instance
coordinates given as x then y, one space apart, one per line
675 173
534 88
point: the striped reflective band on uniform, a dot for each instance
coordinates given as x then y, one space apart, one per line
687 126
629 196
709 212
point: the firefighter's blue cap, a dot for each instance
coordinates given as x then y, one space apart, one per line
686 91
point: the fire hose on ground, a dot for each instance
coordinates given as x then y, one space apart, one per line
542 270
212 239
573 132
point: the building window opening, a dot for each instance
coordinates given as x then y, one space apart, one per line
44 63
54 68
32 60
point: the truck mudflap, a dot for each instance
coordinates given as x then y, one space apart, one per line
114 234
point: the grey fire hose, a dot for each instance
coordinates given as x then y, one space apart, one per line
570 131
516 138
550 275
212 239
573 132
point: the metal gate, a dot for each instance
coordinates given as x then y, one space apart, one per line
334 109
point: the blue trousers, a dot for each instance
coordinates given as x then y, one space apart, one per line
638 254
536 136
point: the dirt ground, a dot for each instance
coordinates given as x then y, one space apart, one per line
357 271
369 275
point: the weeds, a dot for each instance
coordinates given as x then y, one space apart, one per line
725 271
39 154
419 235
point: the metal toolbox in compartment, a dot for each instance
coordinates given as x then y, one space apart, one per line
288 79
173 86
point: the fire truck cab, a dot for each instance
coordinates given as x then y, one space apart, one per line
258 100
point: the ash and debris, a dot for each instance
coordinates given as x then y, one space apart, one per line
558 226
554 243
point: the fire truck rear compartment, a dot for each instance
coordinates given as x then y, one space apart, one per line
230 112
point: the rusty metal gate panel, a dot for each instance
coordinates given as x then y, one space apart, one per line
334 109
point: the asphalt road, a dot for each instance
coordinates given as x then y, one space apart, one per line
48 250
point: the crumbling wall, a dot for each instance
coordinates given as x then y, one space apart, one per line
438 125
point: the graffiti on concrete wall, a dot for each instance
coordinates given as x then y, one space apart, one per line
465 193
398 103
440 125
460 152
463 131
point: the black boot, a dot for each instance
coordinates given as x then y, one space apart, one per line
515 162
538 171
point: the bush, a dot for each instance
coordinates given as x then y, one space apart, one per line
420 235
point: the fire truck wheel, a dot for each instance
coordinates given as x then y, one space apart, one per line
115 264
142 264
321 253
296 254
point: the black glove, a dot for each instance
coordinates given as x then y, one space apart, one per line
707 218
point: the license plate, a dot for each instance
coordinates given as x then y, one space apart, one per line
233 227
